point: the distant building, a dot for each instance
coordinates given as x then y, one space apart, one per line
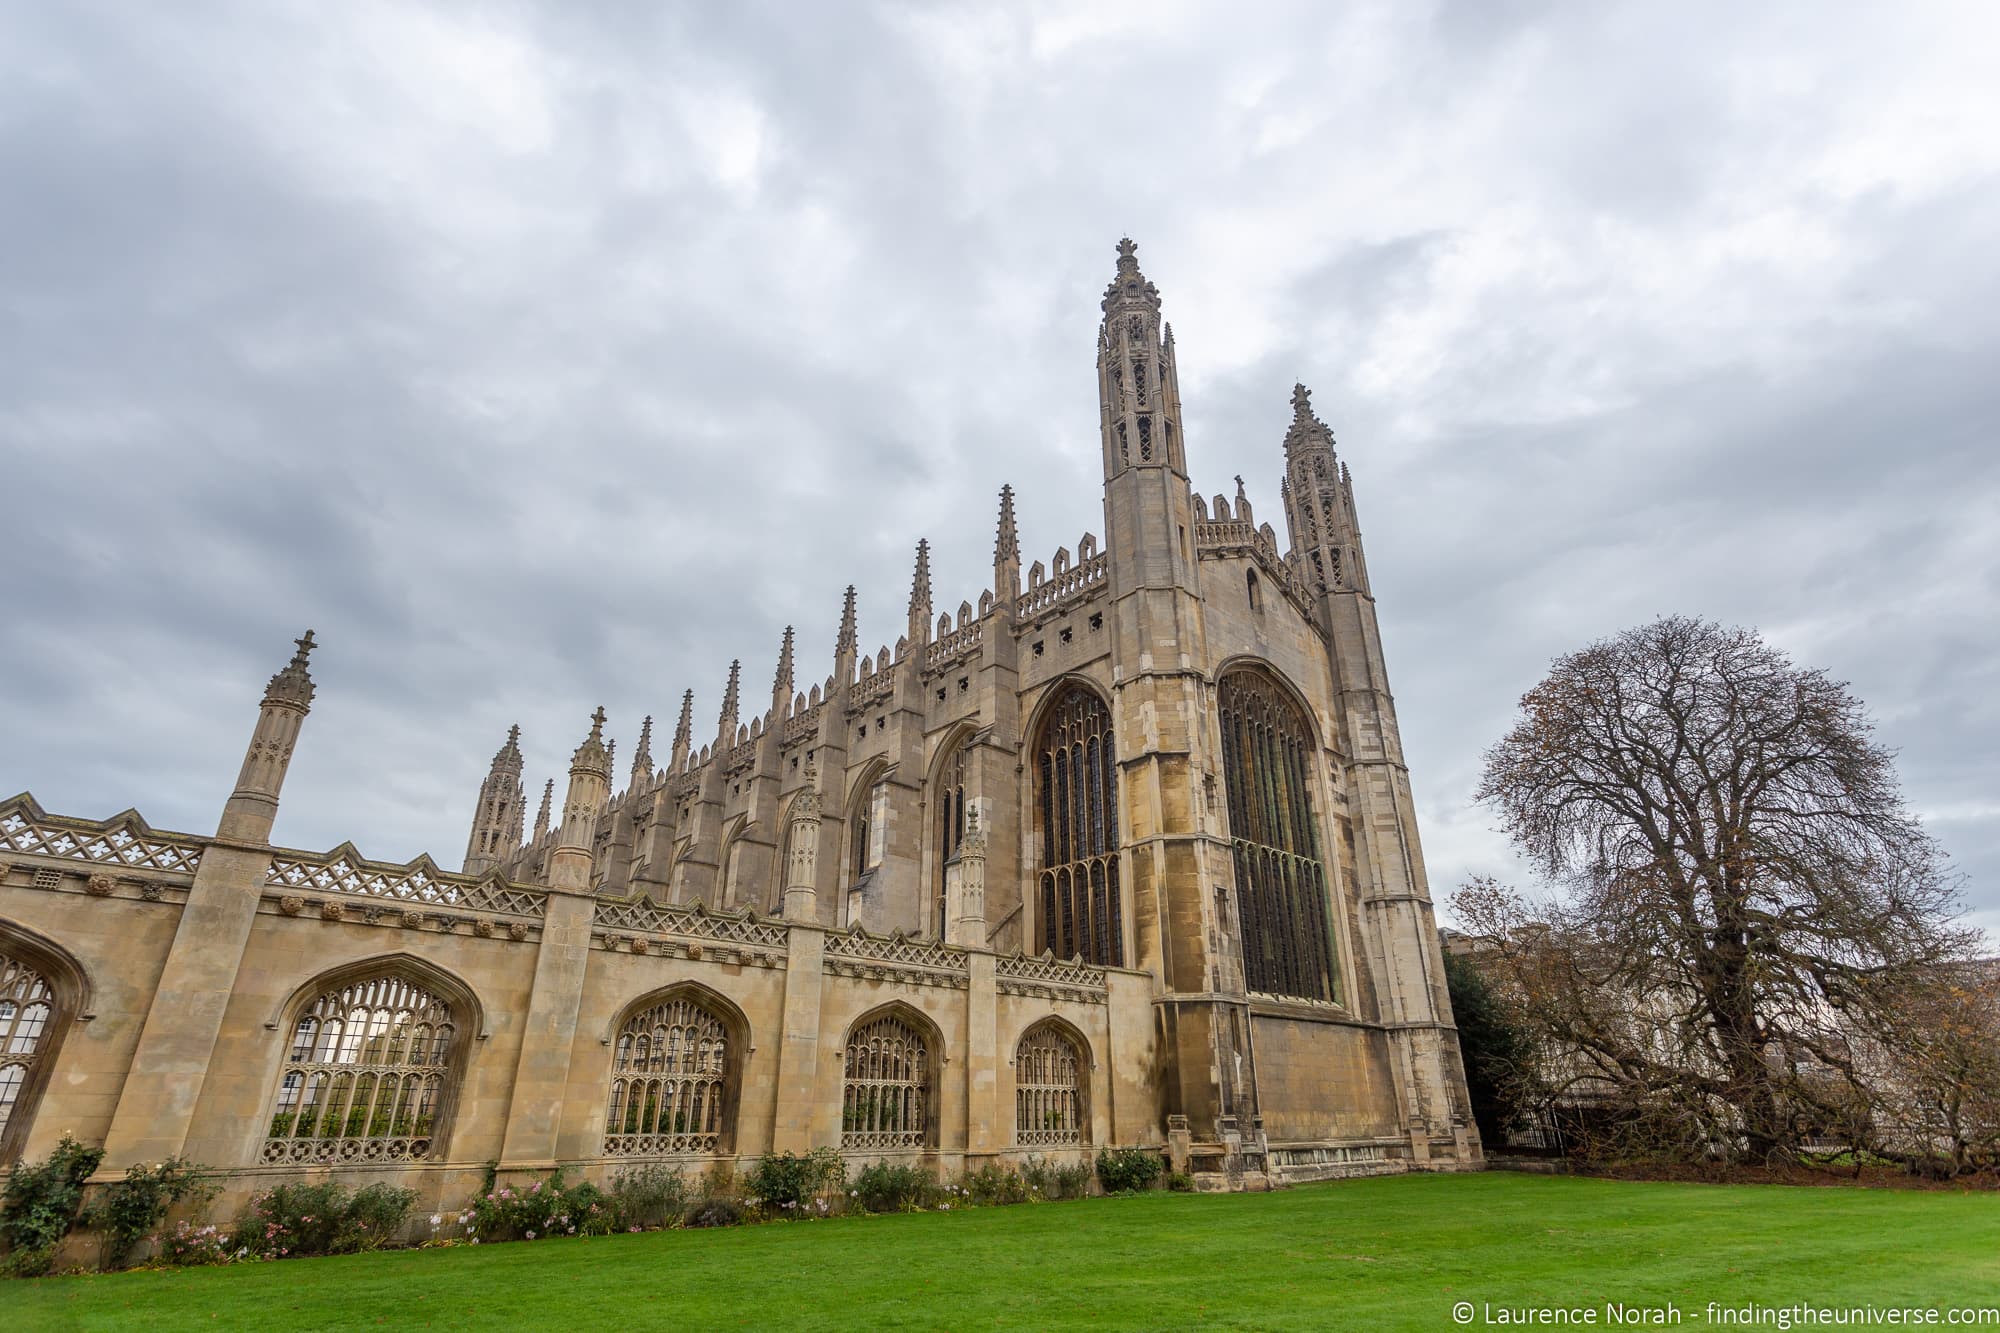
1125 854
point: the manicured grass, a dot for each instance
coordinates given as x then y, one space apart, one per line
1381 1253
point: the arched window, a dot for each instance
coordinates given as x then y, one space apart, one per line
1077 774
1267 765
1049 1081
366 1074
866 829
27 1021
886 1095
950 801
669 1080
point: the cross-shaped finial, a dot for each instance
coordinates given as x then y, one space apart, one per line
597 721
1301 401
514 733
305 646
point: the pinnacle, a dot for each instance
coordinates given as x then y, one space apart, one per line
293 685
1007 546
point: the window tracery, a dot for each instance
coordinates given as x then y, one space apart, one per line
668 1079
1280 876
950 800
886 1092
27 1017
1077 773
365 1075
1048 1089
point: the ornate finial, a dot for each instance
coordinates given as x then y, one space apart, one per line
920 593
684 729
542 816
781 684
1239 485
591 756
1128 255
1008 544
293 685
509 754
1306 430
642 758
846 642
729 699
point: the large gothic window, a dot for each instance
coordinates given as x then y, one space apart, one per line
886 1094
950 801
1048 1089
668 1082
366 1075
27 1017
1077 801
1280 880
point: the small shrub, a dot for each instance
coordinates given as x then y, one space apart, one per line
305 1218
994 1184
130 1210
792 1184
538 1210
1056 1180
886 1187
648 1197
1128 1170
188 1245
40 1204
1180 1182
715 1212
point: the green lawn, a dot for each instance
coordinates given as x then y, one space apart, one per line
1382 1253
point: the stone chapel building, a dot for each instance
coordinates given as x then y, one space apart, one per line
1123 853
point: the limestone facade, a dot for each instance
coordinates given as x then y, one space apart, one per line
1122 852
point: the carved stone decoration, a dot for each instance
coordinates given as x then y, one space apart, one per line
483 928
516 931
331 912
99 886
150 892
642 945
291 904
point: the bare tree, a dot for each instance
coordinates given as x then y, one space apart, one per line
1740 884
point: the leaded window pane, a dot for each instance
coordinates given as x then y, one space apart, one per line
1078 807
352 1086
667 1082
1048 1089
950 799
1280 877
26 1006
886 1094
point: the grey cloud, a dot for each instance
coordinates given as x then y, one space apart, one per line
558 357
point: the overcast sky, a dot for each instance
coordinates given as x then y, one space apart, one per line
542 356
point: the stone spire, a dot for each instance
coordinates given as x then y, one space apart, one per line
591 756
293 686
1138 386
253 806
542 815
1319 507
726 726
570 864
781 683
846 647
683 735
1006 553
496 818
920 595
642 757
